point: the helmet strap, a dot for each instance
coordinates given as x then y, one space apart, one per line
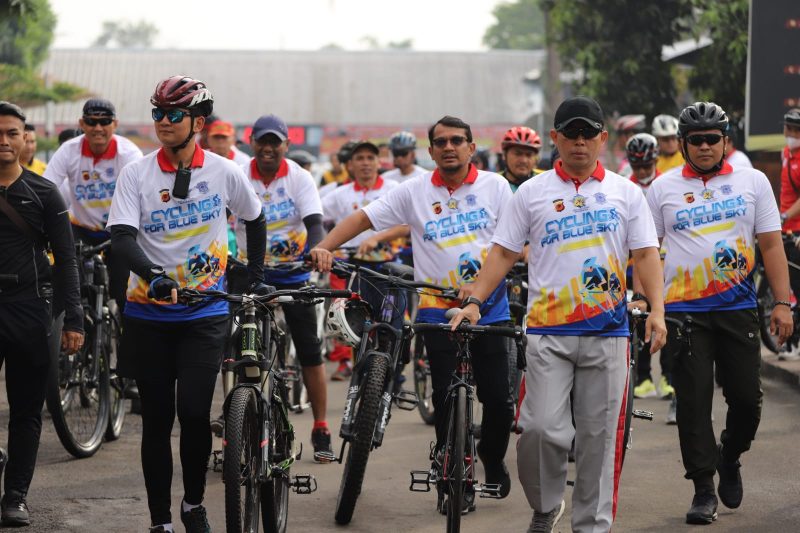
176 149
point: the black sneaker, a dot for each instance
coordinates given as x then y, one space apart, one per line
730 482
14 512
546 522
703 510
195 520
321 440
497 474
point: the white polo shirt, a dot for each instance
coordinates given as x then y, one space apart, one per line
580 235
709 227
286 200
346 200
450 234
399 177
89 180
188 237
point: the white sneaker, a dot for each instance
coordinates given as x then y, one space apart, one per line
791 355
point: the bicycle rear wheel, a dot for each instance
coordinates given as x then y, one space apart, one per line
626 430
366 419
78 398
241 461
454 466
423 385
766 301
275 491
118 385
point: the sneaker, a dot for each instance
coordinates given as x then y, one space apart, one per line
195 520
160 529
546 522
730 482
14 511
321 440
790 355
645 389
703 509
672 414
497 474
665 389
342 373
218 426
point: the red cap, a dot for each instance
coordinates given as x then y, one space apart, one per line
220 127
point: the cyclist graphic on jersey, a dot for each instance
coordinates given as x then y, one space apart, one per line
729 265
468 267
282 247
600 290
199 262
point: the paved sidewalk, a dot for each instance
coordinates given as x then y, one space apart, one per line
785 371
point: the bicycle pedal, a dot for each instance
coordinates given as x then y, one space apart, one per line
488 490
420 481
644 415
216 460
406 400
288 375
324 457
303 483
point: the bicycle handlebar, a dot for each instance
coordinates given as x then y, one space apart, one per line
282 296
88 252
637 314
344 269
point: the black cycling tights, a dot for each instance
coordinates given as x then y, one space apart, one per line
195 389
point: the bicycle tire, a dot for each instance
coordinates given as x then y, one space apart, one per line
626 430
423 385
117 384
241 461
78 402
765 301
366 419
275 491
454 462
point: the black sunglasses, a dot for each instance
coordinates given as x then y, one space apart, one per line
587 133
92 122
173 115
400 153
456 140
709 138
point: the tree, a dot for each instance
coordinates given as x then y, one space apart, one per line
373 43
139 34
518 26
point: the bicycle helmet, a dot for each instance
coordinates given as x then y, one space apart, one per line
346 151
665 126
792 117
301 157
630 123
346 320
522 136
186 93
702 116
402 140
641 149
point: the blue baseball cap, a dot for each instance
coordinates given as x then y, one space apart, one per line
270 124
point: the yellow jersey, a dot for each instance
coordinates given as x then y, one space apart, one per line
666 162
36 166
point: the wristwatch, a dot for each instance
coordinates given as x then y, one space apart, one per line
471 300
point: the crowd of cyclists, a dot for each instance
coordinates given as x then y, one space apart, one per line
678 224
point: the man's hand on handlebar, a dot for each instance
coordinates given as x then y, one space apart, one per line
260 288
71 341
163 287
321 259
470 313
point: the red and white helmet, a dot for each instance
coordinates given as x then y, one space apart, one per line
634 123
522 136
641 149
184 92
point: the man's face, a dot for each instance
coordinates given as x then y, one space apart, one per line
521 160
643 171
579 154
98 130
269 150
450 149
29 150
12 139
174 133
364 165
220 144
791 131
706 154
403 159
668 145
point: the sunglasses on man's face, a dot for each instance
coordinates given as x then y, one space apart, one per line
587 133
456 141
708 138
400 153
92 122
173 115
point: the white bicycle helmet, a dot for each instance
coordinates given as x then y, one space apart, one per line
345 321
665 126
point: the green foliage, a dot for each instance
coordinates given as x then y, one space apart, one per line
23 87
518 26
373 43
127 34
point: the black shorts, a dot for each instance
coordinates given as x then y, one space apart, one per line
152 348
302 323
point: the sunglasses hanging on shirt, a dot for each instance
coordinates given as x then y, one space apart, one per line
182 179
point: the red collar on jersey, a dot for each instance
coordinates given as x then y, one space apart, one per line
599 173
472 175
283 171
378 185
231 155
198 158
110 153
688 172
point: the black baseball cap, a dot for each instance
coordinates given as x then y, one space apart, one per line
365 144
578 108
99 106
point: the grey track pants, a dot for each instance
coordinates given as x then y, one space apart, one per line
595 368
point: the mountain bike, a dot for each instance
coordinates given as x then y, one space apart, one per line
379 358
85 398
453 469
766 301
259 448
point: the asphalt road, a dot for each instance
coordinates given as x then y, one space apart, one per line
106 492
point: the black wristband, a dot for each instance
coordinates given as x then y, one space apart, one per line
471 300
638 296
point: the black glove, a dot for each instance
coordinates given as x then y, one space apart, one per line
161 285
260 288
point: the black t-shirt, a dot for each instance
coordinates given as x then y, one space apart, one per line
39 203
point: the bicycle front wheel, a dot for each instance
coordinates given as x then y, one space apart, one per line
626 430
275 491
454 466
118 385
366 419
78 399
423 385
241 461
765 302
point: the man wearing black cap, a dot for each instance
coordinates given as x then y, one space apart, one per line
85 169
581 221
